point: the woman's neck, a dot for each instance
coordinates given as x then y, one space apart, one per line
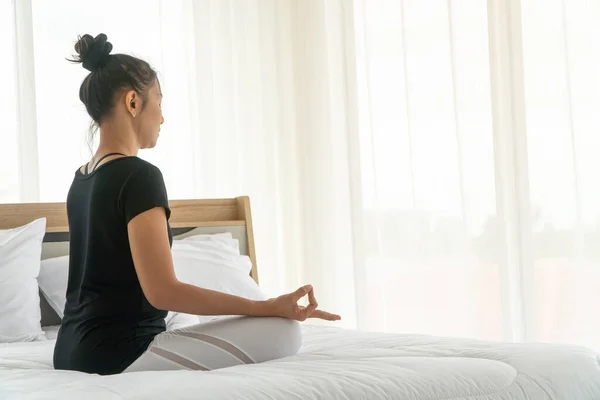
114 139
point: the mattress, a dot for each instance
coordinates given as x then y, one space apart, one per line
333 363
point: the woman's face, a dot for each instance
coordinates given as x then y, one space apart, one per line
151 118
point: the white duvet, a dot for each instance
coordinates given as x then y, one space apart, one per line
332 364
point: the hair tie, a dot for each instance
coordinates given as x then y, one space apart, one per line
98 53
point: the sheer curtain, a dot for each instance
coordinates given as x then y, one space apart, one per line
478 205
401 204
449 165
429 167
426 157
561 60
9 161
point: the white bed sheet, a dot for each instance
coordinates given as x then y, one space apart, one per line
332 364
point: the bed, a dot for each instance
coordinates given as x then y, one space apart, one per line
332 363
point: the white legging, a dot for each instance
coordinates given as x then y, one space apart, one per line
221 343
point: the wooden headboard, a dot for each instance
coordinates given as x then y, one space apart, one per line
188 217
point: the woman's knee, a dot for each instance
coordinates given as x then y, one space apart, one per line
289 335
276 338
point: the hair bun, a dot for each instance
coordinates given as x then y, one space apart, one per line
93 51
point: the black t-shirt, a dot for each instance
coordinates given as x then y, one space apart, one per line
108 322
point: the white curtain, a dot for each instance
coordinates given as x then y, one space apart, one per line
561 57
429 166
425 145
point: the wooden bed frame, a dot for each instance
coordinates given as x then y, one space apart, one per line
200 215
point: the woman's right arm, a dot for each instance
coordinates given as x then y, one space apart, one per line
149 243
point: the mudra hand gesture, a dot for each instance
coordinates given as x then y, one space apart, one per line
286 306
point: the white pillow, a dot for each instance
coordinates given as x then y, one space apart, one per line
225 238
200 264
220 242
20 253
52 280
216 254
200 260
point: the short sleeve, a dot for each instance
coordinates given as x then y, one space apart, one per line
143 190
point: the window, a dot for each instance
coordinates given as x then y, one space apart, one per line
427 163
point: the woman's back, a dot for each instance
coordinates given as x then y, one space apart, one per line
108 322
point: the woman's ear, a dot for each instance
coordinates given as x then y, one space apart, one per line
131 103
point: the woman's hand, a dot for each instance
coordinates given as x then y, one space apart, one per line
286 306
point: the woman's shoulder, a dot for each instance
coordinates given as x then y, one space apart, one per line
142 175
134 166
140 166
120 166
137 162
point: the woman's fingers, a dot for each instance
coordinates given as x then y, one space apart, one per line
312 302
301 292
325 315
311 310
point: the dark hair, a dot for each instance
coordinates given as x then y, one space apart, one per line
109 75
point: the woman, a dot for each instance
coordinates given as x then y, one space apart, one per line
121 281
